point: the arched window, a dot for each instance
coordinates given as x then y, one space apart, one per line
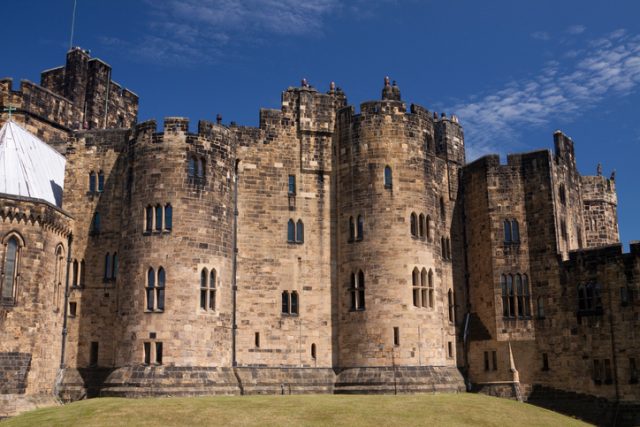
160 288
452 306
151 283
203 289
540 305
415 282
148 227
352 229
443 211
168 217
421 227
294 303
424 292
57 285
158 218
357 291
527 295
107 266
388 178
212 289
428 226
114 265
10 270
313 351
431 290
92 182
95 223
74 273
360 227
291 231
300 232
100 182
191 167
82 274
414 224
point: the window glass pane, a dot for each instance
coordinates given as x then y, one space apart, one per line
300 232
92 182
191 168
291 231
203 278
158 218
10 262
100 182
168 217
360 227
294 302
114 266
149 218
515 231
285 302
212 279
292 184
507 231
387 177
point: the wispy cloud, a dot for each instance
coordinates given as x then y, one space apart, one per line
541 35
609 66
200 31
576 29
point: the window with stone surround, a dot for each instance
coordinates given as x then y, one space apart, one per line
148 227
299 231
74 273
95 224
313 351
158 218
168 217
452 306
295 231
421 227
357 291
196 167
147 353
292 185
208 289
511 231
388 177
413 221
290 303
92 182
516 296
428 227
545 362
100 182
352 230
58 275
155 290
590 299
10 275
443 211
360 228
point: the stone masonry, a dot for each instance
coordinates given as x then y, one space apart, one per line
326 250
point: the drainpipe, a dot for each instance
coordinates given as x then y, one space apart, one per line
234 270
66 301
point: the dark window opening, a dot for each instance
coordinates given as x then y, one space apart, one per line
168 217
299 232
486 361
449 349
494 358
360 231
100 182
313 351
158 218
148 219
511 231
352 230
414 224
396 336
590 299
159 353
93 354
285 302
95 223
73 306
357 290
291 231
92 182
257 339
147 353
545 362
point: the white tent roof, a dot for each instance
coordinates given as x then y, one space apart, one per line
28 166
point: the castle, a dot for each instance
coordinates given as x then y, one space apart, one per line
324 251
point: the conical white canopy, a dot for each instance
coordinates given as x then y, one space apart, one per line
28 166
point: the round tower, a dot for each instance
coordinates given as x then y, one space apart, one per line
175 301
394 210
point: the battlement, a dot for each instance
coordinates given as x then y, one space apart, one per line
599 188
149 131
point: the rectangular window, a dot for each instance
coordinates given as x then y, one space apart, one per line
292 185
449 349
72 309
147 353
159 353
486 360
545 362
257 339
93 354
494 357
597 377
396 336
608 375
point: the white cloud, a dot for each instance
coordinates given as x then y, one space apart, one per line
576 29
186 32
609 67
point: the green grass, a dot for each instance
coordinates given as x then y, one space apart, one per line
300 410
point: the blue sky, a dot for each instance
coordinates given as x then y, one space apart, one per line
513 71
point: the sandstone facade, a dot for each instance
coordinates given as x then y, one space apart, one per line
323 251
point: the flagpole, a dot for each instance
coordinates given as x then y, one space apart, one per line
73 23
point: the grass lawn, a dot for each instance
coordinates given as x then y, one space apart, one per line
297 410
